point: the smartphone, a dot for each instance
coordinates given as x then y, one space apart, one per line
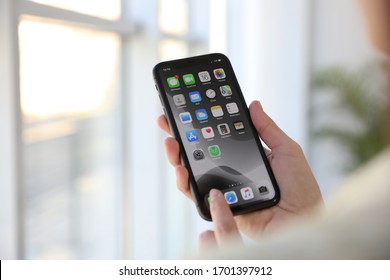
219 145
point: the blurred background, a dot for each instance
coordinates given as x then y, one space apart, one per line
83 174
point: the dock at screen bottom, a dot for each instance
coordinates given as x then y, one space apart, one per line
244 194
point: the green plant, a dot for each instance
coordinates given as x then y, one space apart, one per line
358 105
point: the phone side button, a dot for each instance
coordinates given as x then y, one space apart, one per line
159 97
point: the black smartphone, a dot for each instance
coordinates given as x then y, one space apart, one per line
208 116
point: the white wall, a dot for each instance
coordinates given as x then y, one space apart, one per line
268 45
338 34
338 39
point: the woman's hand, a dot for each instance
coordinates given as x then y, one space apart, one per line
300 193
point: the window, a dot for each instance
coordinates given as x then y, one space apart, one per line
107 9
71 149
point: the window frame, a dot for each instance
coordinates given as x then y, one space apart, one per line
12 120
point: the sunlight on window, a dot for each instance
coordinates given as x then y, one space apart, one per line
71 153
172 49
65 70
173 17
108 9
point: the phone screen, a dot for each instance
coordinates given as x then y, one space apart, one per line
210 115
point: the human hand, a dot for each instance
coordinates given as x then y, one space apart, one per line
300 194
225 228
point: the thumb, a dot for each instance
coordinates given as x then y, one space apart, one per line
266 128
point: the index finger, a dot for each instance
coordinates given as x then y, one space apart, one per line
225 227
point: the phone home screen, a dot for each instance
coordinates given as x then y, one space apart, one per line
211 118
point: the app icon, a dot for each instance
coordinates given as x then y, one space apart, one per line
185 117
204 76
231 197
247 193
195 96
217 111
198 154
263 190
173 82
201 114
223 129
232 108
208 132
189 79
192 136
219 74
210 93
239 125
214 151
179 99
225 90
